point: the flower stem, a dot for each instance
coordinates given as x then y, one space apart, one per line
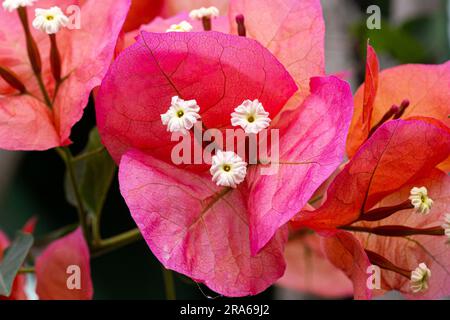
33 54
25 270
396 231
122 239
66 155
169 284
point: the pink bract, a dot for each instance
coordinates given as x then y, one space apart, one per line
63 258
219 71
26 123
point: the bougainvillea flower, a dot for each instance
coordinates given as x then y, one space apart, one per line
26 121
308 270
372 195
423 87
18 288
431 250
293 30
222 237
63 269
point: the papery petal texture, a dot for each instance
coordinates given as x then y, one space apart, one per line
387 161
219 71
197 229
425 86
345 252
309 271
312 146
409 252
63 258
26 123
293 30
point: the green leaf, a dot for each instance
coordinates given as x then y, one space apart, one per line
392 40
94 172
13 260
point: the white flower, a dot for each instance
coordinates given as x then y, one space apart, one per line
419 278
228 169
199 14
12 5
50 20
181 116
420 200
183 26
251 116
446 225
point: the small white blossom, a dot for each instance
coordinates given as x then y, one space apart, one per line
251 116
228 169
183 26
446 225
199 14
12 5
420 278
420 200
50 20
181 116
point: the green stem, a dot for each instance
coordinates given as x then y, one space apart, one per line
169 284
82 213
121 239
25 270
89 154
101 247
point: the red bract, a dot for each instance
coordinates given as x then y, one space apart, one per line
425 87
231 240
347 254
369 194
26 122
58 267
142 11
410 251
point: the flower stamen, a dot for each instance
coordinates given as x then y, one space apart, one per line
240 20
183 26
181 116
419 278
228 169
251 116
205 15
11 5
420 200
50 20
